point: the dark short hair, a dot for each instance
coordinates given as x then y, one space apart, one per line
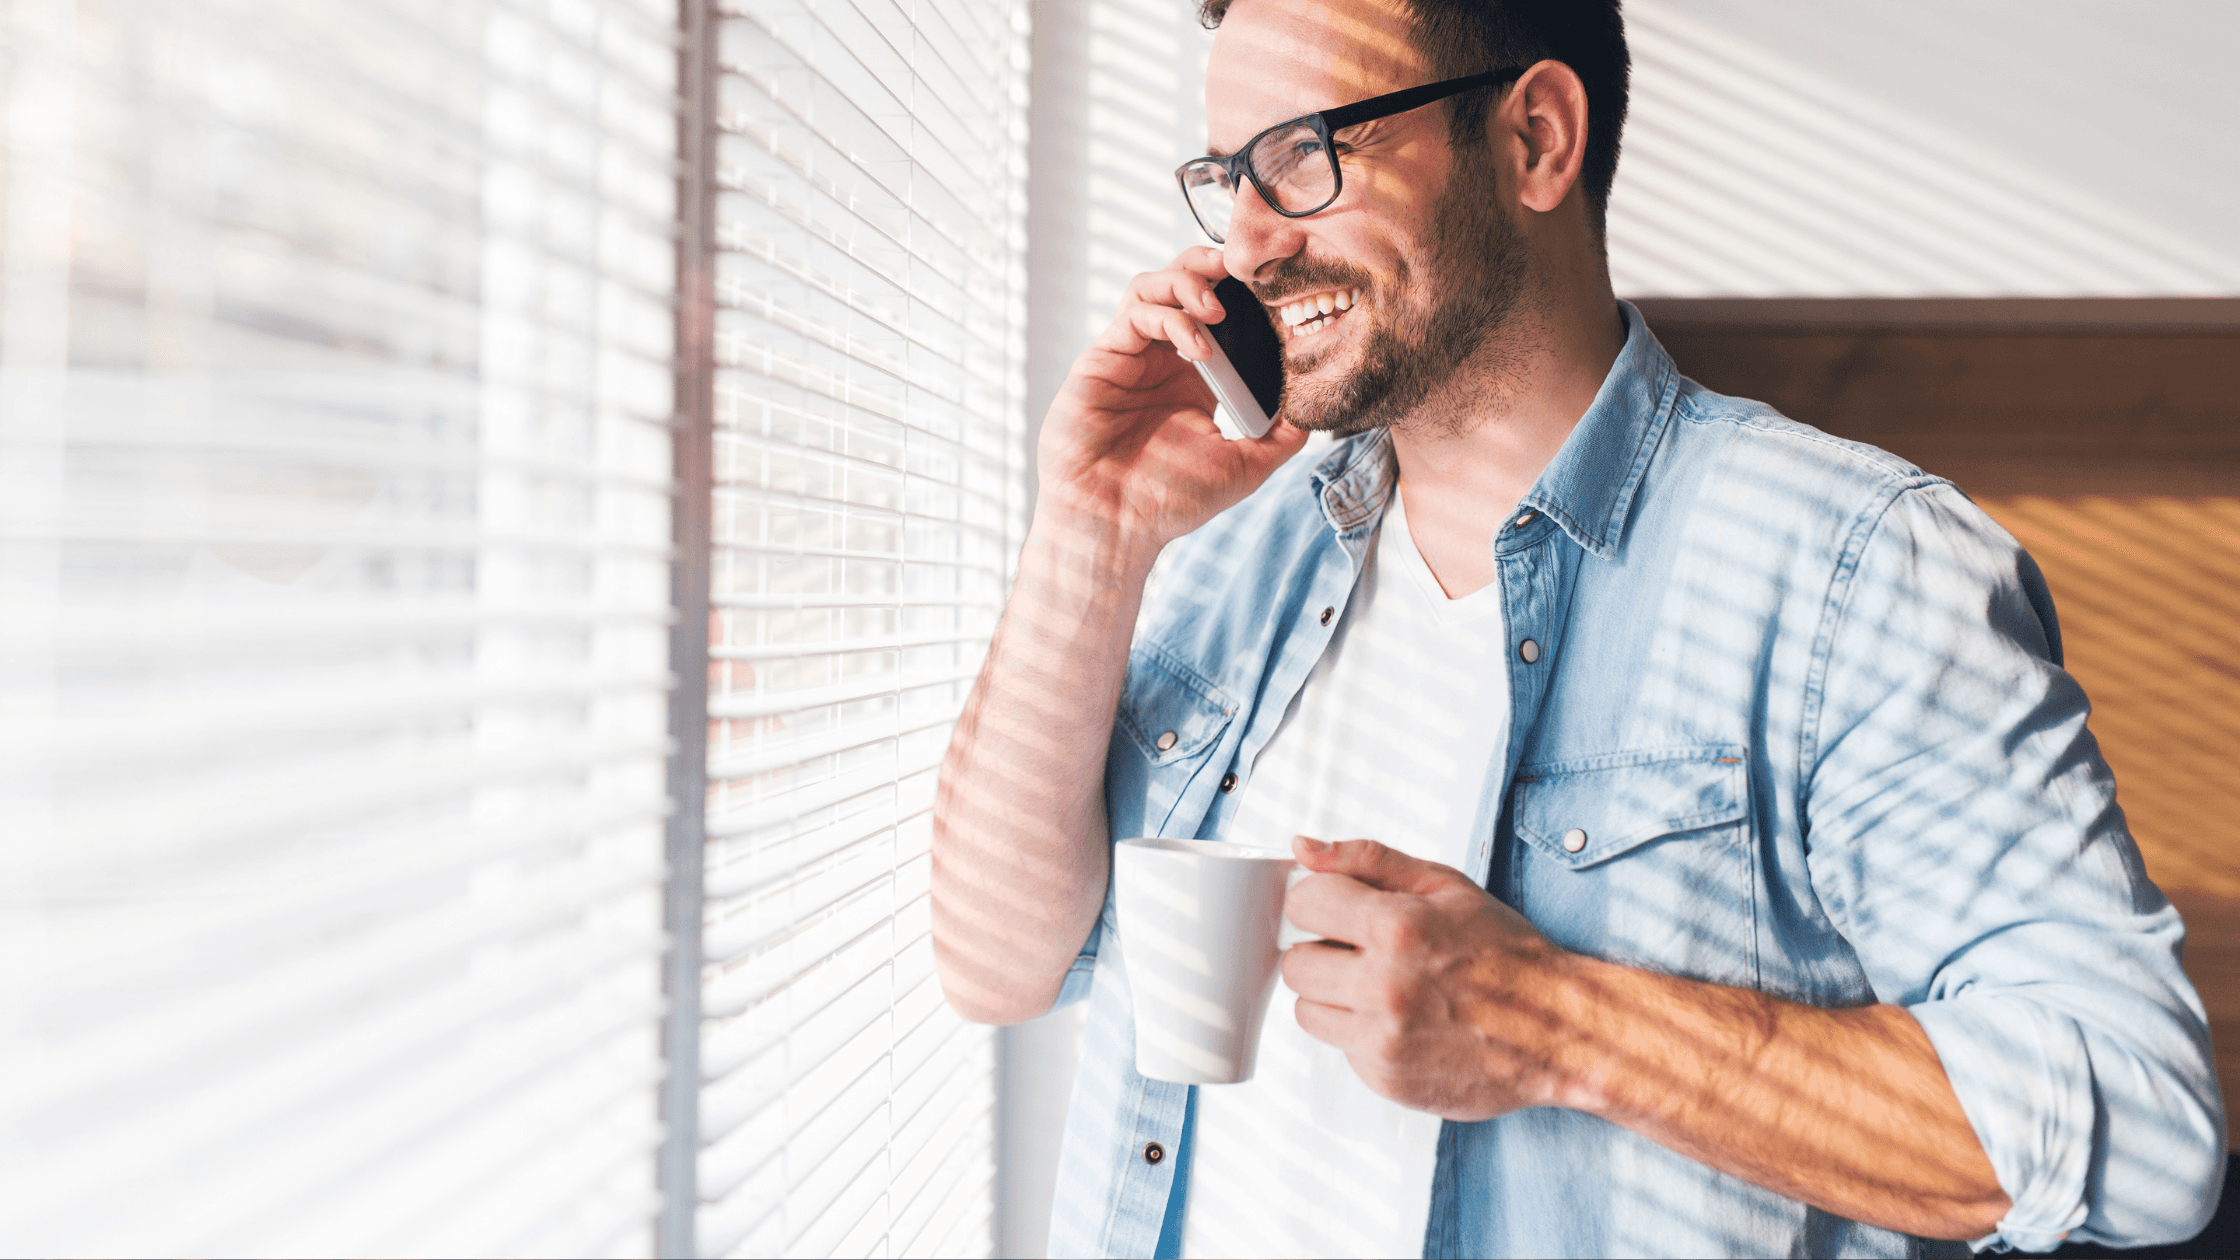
1460 37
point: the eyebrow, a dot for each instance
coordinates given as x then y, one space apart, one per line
1215 151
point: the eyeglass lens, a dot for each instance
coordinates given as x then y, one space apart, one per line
1295 169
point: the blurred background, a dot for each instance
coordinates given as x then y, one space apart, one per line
500 501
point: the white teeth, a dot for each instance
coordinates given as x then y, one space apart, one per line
1311 315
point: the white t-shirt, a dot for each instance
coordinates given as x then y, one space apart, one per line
1388 740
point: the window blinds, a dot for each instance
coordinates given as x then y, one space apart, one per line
870 495
334 511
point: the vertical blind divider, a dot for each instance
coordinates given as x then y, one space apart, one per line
684 899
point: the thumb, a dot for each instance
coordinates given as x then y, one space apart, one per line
1376 865
1266 453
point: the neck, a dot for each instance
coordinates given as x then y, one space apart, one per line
1478 442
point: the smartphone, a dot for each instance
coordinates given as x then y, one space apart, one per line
1246 370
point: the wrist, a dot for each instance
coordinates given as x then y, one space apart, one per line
1084 543
1579 1067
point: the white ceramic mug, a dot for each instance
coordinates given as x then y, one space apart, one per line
1198 924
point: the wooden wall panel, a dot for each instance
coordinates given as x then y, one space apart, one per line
2027 396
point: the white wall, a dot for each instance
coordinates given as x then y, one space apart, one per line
1914 148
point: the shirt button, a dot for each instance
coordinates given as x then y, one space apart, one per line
1229 782
1153 1153
1574 840
1166 741
1327 614
1528 651
1525 519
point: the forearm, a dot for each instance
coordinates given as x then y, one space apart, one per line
1020 854
1849 1110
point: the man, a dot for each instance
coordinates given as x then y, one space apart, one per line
1722 863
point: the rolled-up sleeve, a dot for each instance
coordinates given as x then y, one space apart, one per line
1964 836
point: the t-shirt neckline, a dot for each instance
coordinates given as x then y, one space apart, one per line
1397 546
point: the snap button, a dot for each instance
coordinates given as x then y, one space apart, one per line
1153 1153
1574 840
1327 614
1525 520
1166 741
1229 782
1528 651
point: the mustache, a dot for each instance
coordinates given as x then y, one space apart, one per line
1297 275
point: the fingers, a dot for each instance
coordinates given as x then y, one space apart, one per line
1140 325
1178 287
1323 971
1328 1024
1336 907
1170 305
1264 454
1374 864
1202 260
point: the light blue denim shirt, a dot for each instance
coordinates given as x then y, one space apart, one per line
1807 703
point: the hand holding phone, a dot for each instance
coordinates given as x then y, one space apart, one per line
1126 440
1246 370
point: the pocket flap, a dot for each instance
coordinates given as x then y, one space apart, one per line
1609 805
1168 710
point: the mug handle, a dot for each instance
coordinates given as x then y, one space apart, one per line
1286 934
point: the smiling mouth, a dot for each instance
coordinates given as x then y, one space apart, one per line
1304 317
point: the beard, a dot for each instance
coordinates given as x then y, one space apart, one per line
1480 274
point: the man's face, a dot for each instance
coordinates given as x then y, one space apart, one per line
1418 258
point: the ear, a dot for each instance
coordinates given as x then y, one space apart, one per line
1546 114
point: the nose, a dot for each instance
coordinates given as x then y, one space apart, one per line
1258 236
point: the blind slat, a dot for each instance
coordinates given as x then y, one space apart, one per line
931 1183
771 703
798 601
870 448
354 1001
316 792
335 549
839 648
797 752
784 852
96 632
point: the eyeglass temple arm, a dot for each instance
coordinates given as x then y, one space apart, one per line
1409 98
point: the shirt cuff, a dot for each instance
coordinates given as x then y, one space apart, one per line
1083 972
2024 1078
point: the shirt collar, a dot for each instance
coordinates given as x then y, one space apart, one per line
1354 481
1589 485
1586 489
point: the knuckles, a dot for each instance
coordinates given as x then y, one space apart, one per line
1407 929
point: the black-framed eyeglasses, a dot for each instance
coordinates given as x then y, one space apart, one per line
1295 164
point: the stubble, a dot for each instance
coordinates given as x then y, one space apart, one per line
1478 272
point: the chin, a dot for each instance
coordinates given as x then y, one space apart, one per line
1329 360
1312 408
1315 386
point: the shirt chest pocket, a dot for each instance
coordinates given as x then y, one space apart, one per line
1643 858
1171 723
